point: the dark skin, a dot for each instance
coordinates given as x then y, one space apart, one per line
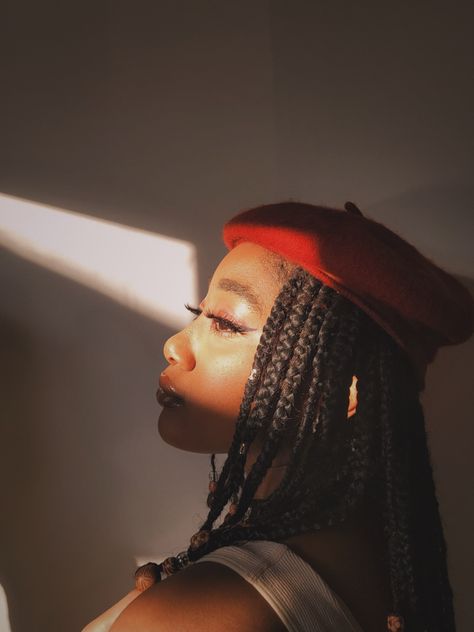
211 597
209 366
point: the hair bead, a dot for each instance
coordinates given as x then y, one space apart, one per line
198 539
169 565
147 575
182 559
395 623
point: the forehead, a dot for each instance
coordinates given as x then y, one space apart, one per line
247 271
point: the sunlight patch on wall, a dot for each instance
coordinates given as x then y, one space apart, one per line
4 618
149 273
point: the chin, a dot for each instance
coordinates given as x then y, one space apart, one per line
179 432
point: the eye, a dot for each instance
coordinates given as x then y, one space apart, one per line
224 325
219 324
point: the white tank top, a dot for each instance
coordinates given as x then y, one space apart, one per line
299 596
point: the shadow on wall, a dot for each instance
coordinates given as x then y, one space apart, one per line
437 218
448 404
82 465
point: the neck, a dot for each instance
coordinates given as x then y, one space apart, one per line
274 474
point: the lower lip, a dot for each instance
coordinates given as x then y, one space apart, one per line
168 401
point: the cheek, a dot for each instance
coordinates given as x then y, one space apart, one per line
223 381
207 422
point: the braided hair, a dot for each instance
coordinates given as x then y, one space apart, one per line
313 342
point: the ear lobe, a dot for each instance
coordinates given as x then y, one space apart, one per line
352 397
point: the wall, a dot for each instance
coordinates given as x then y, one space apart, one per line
170 117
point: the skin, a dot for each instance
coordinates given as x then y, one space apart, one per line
209 365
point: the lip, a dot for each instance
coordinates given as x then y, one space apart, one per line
167 395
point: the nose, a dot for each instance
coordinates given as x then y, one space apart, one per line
177 350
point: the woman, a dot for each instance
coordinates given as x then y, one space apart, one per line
304 363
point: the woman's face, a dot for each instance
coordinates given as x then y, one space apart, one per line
210 360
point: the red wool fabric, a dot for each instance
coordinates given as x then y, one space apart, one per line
416 302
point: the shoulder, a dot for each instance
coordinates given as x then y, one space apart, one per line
207 596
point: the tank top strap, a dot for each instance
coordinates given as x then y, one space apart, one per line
299 596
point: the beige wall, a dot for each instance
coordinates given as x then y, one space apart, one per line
170 117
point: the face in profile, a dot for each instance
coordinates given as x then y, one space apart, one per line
211 359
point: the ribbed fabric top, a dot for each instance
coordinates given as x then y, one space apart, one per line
298 595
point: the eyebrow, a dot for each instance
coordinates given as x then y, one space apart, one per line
243 290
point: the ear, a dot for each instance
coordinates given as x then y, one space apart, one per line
352 398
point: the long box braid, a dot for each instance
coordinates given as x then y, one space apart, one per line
312 344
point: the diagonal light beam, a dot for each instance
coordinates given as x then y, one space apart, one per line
149 273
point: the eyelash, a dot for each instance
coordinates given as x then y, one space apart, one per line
231 328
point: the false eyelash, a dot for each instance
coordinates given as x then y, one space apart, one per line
234 328
194 310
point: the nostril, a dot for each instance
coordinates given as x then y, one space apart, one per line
172 358
169 351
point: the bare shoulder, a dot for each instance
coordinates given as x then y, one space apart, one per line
206 597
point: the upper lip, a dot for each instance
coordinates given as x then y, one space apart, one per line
167 386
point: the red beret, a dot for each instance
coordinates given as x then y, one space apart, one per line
420 305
